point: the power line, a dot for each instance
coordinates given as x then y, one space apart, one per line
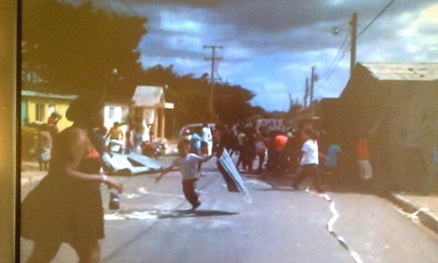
375 18
336 58
332 70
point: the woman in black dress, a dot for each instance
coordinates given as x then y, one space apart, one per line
66 206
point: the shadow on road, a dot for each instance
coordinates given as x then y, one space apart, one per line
197 213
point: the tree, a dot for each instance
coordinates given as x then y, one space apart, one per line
191 97
76 49
231 103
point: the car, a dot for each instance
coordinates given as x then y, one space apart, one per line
196 127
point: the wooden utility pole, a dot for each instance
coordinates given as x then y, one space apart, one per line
353 24
213 58
306 93
313 78
312 82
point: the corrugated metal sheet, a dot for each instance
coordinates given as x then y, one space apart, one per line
147 96
407 72
31 93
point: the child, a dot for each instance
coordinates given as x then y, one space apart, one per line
309 161
44 147
331 162
188 165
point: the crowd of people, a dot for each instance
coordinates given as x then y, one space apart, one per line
301 153
76 171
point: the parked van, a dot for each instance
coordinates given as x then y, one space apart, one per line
197 127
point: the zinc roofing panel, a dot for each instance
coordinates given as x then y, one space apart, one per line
407 72
147 96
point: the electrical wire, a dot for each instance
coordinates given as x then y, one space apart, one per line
339 54
217 72
343 48
375 18
330 73
334 65
336 59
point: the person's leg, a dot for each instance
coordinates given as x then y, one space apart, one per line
302 172
361 169
261 161
240 159
44 251
87 251
316 178
190 193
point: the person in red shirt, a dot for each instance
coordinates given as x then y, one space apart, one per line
278 160
363 156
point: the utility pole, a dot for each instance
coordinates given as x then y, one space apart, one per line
306 93
213 59
314 77
353 24
312 81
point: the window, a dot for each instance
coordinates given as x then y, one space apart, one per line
39 112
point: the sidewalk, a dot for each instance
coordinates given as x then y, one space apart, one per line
417 207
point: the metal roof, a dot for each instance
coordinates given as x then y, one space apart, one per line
147 96
31 93
407 72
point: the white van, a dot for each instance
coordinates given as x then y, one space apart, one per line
197 127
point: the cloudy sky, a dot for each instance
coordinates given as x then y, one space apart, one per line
269 47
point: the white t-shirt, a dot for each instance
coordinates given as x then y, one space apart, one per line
310 152
206 134
188 165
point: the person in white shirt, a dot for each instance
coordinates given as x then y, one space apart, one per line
206 140
309 161
188 165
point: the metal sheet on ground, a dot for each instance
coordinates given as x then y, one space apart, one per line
120 164
235 182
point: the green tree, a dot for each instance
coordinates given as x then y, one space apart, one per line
191 97
232 103
76 49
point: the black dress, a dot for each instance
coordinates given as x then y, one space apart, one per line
64 209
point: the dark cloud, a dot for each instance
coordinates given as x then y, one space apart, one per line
270 46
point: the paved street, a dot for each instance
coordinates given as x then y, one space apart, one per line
280 225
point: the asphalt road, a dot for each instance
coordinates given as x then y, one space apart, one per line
280 225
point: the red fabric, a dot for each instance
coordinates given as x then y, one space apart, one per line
94 153
362 150
280 142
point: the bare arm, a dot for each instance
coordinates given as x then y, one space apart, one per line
206 158
77 147
167 170
163 173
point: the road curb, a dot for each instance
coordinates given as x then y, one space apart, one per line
425 217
